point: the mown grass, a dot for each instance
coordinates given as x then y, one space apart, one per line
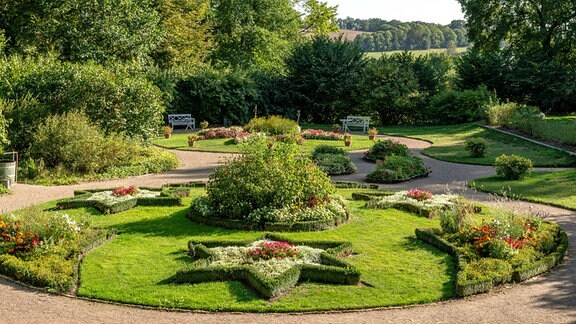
553 188
226 145
151 247
448 144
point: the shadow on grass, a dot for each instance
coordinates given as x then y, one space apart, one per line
174 225
449 287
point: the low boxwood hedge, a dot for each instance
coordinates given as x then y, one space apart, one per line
169 197
497 272
331 270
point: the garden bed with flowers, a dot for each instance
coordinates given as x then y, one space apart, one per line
271 266
111 201
394 163
489 253
420 202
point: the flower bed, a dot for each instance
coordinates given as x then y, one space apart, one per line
385 148
271 266
220 132
318 134
42 248
110 201
421 202
503 250
396 168
333 160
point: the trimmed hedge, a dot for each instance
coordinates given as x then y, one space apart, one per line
80 200
332 270
354 185
465 287
365 196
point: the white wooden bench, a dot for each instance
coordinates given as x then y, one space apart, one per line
360 121
182 119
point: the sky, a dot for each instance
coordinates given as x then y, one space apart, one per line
433 11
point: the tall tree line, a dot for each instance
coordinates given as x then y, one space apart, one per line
382 35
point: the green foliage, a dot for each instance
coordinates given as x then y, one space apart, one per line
335 164
322 74
320 17
456 107
84 30
266 177
272 126
385 148
213 95
512 167
476 147
486 269
382 35
114 99
396 168
3 126
187 40
253 33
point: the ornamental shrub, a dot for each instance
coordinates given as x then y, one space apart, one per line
265 176
333 160
273 125
476 147
397 168
455 107
512 167
384 148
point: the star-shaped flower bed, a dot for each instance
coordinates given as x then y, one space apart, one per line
271 265
110 201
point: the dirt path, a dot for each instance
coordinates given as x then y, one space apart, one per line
549 298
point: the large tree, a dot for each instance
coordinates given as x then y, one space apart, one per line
539 37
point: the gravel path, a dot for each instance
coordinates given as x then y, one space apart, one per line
550 298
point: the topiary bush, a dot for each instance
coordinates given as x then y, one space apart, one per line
512 167
263 183
385 148
476 147
273 125
396 168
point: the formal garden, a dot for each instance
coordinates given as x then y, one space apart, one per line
89 95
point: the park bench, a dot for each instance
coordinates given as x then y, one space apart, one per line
182 119
360 121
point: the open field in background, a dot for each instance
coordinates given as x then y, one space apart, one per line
458 50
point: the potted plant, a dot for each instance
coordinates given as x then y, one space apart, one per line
204 124
167 131
192 140
372 132
335 128
347 139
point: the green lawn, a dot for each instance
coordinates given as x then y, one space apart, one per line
151 246
449 141
180 142
553 188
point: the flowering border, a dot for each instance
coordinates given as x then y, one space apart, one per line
331 269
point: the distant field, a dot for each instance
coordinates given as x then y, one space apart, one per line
458 50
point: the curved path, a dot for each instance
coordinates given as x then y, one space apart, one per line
550 298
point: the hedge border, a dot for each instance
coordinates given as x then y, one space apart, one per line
354 185
331 270
468 287
80 200
367 196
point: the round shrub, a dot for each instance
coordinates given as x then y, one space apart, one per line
267 180
512 167
71 142
397 168
327 149
476 147
385 148
335 164
273 125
